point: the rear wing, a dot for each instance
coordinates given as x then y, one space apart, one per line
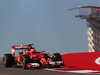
18 47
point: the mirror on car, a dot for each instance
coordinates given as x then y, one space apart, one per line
42 51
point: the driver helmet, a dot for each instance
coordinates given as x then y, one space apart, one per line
32 50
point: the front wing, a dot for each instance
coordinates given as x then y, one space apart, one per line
47 64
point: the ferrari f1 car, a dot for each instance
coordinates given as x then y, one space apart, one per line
29 58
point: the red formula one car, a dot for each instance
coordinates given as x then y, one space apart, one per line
29 58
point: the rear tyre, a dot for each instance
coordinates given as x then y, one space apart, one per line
8 60
24 61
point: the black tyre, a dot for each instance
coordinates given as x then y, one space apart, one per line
24 61
8 60
57 57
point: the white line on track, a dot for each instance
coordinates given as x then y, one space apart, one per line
78 71
83 71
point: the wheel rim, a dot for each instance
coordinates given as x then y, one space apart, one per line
23 63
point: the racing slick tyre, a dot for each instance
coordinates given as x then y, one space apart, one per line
8 60
57 57
24 61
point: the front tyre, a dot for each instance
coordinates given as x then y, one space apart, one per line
57 57
8 60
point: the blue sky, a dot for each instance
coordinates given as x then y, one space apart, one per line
46 23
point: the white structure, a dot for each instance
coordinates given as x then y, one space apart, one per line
92 16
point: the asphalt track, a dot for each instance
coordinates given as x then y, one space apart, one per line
20 71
